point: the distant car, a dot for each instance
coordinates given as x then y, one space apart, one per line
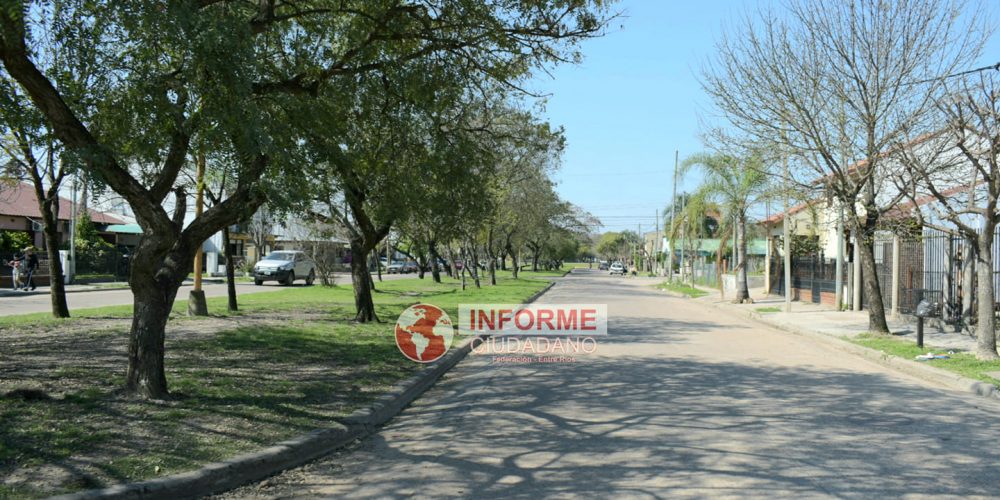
394 268
603 266
618 268
285 267
410 267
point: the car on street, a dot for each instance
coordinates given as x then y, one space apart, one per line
410 267
395 268
603 266
285 266
618 268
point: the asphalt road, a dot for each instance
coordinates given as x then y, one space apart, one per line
39 301
680 400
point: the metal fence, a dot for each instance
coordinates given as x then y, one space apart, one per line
930 267
812 275
103 264
704 273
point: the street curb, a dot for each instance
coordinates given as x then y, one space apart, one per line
243 469
222 476
676 295
912 368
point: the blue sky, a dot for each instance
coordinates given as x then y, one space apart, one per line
633 101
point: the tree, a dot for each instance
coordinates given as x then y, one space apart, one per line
260 229
378 154
235 69
956 185
695 220
737 185
31 148
836 84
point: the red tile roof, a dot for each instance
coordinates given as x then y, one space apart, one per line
781 215
904 209
19 200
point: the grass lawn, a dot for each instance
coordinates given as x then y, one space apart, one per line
681 288
290 361
772 309
963 363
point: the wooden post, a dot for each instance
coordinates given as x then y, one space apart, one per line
856 302
896 265
197 306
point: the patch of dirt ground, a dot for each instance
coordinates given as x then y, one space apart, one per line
238 384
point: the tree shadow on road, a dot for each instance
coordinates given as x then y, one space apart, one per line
645 426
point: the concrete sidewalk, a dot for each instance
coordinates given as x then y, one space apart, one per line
89 287
44 290
824 319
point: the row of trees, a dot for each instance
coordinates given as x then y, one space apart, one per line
845 97
731 187
372 114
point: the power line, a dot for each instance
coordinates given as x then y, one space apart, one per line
995 67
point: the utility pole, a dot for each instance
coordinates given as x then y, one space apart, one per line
197 306
656 244
787 230
839 293
673 221
71 271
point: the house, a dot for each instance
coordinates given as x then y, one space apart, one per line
19 212
912 263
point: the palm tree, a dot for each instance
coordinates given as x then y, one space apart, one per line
693 221
736 184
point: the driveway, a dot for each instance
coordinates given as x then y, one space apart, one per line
680 400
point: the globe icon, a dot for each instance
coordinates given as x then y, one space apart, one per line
423 333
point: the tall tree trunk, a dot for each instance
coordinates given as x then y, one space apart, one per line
534 260
718 264
154 279
362 282
986 337
230 270
50 229
491 256
515 266
873 291
493 270
474 256
742 287
378 267
453 269
57 284
152 307
465 266
968 280
435 258
48 205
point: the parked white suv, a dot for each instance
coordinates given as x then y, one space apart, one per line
617 268
285 266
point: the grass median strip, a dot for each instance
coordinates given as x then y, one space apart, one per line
960 362
681 288
288 362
